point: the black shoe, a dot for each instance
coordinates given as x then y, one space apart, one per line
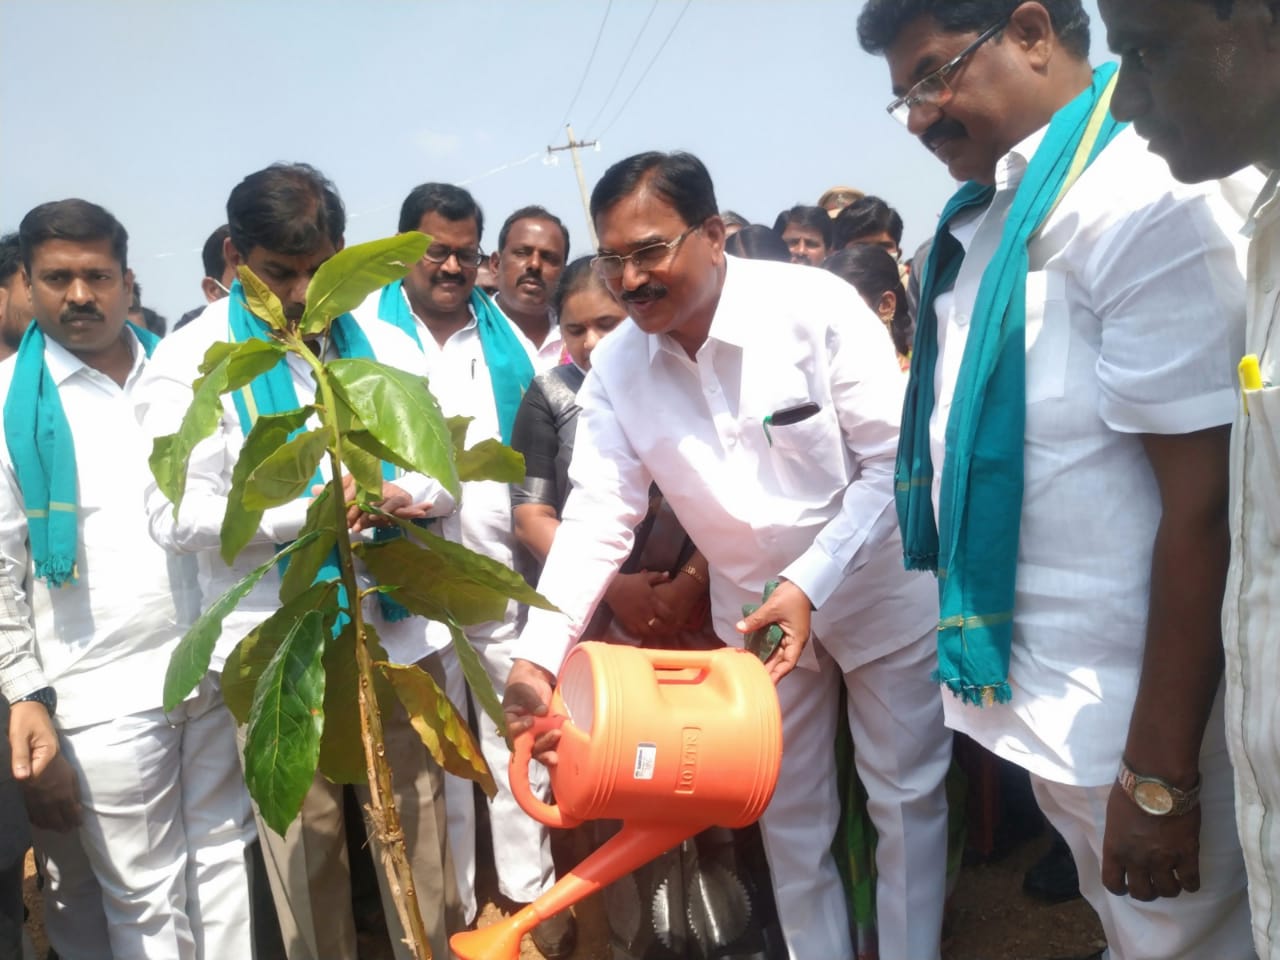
1053 878
556 936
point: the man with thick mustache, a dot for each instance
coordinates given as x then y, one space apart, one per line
533 247
142 819
763 400
1063 464
479 362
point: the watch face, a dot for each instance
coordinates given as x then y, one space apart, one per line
1154 798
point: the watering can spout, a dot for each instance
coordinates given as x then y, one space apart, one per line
635 845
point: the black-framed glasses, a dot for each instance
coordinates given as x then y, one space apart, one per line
934 90
649 257
467 256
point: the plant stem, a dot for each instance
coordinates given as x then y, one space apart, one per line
382 804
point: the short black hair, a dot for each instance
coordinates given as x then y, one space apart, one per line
873 272
881 21
679 178
288 208
76 220
10 258
864 217
154 322
532 212
451 202
732 218
577 276
211 253
755 241
802 215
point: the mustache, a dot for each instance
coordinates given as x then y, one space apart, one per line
442 277
82 313
650 291
945 129
532 277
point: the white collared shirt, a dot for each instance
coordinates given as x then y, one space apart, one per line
1134 324
163 397
1251 612
459 379
812 501
103 642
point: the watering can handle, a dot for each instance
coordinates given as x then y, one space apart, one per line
518 776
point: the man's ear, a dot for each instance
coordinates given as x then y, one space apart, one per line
211 290
1031 28
128 284
494 259
230 254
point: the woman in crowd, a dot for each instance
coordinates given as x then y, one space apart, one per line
874 274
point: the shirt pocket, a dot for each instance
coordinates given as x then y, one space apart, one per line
1262 466
808 456
1048 335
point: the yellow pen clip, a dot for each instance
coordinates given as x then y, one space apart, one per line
1250 377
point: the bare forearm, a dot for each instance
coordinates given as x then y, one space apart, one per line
535 527
1182 663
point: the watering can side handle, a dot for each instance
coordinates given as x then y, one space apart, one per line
518 776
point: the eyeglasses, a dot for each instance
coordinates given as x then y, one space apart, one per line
467 256
650 257
934 89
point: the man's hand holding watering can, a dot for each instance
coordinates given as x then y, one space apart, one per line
785 612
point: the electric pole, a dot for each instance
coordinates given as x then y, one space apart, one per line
573 146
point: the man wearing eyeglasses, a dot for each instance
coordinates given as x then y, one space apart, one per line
479 363
1201 82
764 402
1063 465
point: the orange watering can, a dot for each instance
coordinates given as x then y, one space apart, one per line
670 742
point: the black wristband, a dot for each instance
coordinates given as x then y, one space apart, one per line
46 696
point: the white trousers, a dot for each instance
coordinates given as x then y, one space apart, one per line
165 830
1211 923
521 845
902 752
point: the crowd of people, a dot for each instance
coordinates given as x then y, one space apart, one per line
1034 464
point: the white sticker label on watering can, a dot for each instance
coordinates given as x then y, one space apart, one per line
646 759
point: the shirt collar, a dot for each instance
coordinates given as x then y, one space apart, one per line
1011 168
63 364
726 324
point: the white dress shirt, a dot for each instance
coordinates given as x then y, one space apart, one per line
1134 325
814 504
1251 613
103 642
163 397
459 379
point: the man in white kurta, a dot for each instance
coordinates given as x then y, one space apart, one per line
703 412
1212 107
165 818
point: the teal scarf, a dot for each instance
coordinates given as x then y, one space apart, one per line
44 457
273 392
510 369
974 547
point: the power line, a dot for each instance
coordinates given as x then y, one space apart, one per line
590 60
662 46
625 63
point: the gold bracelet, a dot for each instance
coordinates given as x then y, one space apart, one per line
692 571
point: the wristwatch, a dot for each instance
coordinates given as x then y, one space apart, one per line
46 696
1155 796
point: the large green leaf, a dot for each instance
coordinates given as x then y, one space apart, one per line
262 303
269 433
321 527
287 472
490 460
282 742
428 586
458 432
401 414
441 727
190 660
344 280
366 467
227 366
249 659
478 679
342 745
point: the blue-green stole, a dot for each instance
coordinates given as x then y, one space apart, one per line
973 546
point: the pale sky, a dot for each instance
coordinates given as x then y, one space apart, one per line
157 108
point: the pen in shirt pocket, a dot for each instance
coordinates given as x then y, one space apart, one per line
1250 378
787 416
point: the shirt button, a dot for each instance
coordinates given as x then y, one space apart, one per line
712 389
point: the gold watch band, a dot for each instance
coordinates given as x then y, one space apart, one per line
692 571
